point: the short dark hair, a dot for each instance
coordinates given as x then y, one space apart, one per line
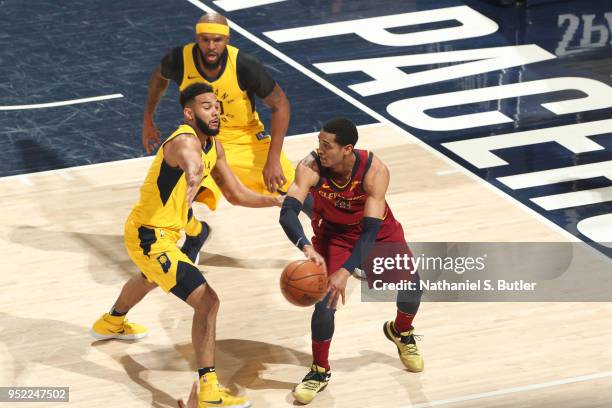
344 129
188 94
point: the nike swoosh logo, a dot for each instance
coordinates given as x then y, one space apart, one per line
192 77
220 401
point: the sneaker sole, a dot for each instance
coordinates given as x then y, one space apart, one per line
247 404
99 336
308 402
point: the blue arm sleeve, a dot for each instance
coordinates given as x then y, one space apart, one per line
370 227
290 222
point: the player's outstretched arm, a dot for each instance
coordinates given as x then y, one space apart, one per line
184 151
233 190
279 122
306 176
157 87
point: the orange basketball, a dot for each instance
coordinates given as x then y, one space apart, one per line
303 283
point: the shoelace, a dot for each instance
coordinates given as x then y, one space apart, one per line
313 380
411 348
311 385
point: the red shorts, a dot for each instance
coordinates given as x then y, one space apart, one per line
336 246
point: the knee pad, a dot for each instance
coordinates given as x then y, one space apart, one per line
322 323
408 301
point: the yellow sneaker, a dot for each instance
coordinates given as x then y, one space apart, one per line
117 327
314 382
406 347
213 395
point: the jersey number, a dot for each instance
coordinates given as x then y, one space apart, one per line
342 203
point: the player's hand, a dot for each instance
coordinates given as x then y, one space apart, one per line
273 176
314 256
150 135
337 287
279 200
192 402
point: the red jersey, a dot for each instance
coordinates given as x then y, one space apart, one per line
338 209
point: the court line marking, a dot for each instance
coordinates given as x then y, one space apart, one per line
514 390
61 103
382 119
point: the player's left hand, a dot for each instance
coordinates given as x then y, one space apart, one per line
192 402
336 284
273 176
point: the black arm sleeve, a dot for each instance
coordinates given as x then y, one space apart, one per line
290 222
369 231
253 76
172 65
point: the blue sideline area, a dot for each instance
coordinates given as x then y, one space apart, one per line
56 51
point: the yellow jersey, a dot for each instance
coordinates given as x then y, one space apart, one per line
163 195
240 122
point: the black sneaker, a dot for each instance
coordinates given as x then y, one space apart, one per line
192 245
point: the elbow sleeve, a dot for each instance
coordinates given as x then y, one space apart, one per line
291 223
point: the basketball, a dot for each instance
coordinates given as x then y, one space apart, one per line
303 283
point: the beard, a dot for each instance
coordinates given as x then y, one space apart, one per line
203 127
212 65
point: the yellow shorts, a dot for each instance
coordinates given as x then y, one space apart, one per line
155 253
247 163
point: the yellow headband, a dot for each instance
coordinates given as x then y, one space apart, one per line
212 28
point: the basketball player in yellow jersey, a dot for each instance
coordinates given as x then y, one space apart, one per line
183 164
255 157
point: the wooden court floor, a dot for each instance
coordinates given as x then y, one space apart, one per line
63 263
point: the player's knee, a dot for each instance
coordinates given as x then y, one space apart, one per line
211 300
323 314
204 300
142 281
322 323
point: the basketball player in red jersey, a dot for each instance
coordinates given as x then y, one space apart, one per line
349 215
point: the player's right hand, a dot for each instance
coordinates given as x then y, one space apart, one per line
150 135
314 256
